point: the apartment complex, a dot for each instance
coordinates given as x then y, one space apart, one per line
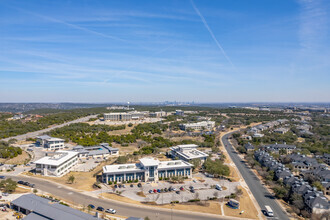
187 152
314 200
208 125
147 170
101 151
124 116
57 165
50 143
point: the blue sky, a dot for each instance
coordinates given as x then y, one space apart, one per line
145 51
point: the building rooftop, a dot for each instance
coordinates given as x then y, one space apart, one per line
118 168
149 161
57 159
43 209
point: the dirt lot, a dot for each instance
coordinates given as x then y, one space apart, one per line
212 207
20 159
246 205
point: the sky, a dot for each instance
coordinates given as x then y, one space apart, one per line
153 51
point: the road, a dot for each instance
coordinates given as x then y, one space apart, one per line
36 133
123 209
260 193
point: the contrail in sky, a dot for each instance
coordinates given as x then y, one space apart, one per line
74 26
211 33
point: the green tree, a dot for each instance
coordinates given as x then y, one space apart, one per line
8 185
71 179
196 162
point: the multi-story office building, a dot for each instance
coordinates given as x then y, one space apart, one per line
208 125
188 152
124 116
57 165
50 143
148 169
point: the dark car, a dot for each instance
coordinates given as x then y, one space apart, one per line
116 186
131 185
91 206
100 209
181 188
192 190
177 192
119 186
166 190
31 185
191 187
150 191
2 177
139 185
158 190
20 182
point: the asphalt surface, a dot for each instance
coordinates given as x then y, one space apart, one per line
260 193
123 209
36 133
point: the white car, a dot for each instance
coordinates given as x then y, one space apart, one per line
112 211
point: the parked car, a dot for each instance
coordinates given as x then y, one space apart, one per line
192 190
101 209
31 185
181 188
119 186
5 194
191 187
150 191
170 189
174 189
166 190
155 191
91 206
124 186
116 186
2 177
177 192
20 182
139 185
158 190
111 211
131 185
218 187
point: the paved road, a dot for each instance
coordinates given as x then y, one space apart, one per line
36 133
123 209
260 193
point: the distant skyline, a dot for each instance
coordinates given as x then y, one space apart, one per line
150 51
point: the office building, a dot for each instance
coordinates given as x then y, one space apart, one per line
58 164
50 143
147 170
188 152
102 151
208 125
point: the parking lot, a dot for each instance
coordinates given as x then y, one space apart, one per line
202 190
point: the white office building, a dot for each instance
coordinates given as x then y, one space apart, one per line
187 152
57 165
50 143
124 116
147 170
208 125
